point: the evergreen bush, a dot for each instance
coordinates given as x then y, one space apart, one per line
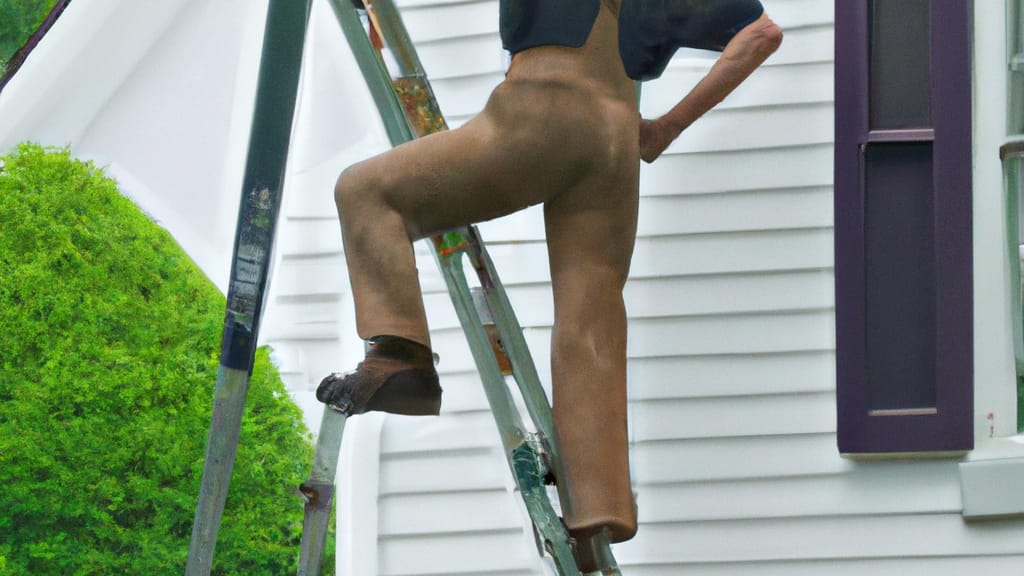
18 20
109 338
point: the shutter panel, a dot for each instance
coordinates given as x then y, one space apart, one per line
904 317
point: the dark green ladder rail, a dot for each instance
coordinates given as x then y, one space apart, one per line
277 86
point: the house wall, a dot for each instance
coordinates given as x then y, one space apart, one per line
731 351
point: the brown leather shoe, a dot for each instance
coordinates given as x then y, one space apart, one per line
397 376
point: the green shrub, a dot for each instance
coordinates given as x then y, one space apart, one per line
109 337
18 20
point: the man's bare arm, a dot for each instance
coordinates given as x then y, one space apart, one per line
744 53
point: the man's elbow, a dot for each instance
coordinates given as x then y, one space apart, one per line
767 36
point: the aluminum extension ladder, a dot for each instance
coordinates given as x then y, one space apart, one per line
408 108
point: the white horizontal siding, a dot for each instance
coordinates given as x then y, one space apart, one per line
736 458
879 489
429 513
490 553
461 431
730 129
733 334
431 471
771 168
935 566
816 538
709 376
437 21
690 418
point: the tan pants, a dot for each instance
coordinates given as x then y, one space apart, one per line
562 130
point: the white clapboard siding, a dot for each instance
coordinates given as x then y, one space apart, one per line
770 168
730 129
487 509
311 237
463 431
431 471
462 56
770 415
701 376
735 458
432 22
815 538
882 489
731 349
934 566
490 553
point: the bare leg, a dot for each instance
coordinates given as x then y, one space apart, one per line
590 240
382 267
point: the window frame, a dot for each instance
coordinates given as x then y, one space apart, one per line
1015 66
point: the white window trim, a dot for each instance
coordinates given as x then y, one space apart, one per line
992 474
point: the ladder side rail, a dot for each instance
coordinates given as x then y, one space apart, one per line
546 520
319 491
378 80
524 370
506 416
524 452
547 524
397 37
273 114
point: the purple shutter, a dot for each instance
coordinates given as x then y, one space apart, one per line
904 317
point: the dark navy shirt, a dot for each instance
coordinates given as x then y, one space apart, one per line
650 31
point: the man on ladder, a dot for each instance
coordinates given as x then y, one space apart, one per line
570 78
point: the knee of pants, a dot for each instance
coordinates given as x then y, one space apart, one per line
347 188
359 193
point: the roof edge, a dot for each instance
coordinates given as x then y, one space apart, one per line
21 55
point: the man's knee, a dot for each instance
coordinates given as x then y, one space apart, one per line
360 191
346 189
